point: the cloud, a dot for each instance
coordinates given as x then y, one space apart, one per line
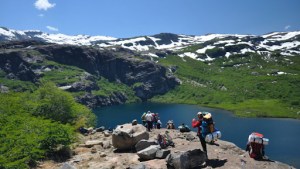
287 27
51 28
43 5
41 15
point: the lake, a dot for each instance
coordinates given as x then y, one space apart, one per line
284 134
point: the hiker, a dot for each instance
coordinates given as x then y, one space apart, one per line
149 119
144 121
184 128
159 124
155 119
198 123
170 124
256 146
134 122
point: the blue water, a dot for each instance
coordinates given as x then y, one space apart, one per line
284 134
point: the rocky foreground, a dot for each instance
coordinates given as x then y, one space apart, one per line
97 151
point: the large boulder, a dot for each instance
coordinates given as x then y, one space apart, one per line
144 144
126 136
186 159
148 153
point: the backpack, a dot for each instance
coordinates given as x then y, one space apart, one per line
256 144
209 125
164 140
144 116
256 150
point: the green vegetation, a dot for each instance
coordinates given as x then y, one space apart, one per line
61 74
107 88
38 125
243 84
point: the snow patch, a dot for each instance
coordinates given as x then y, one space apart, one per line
243 51
203 50
227 54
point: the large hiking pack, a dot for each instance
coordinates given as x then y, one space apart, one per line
209 132
255 145
258 138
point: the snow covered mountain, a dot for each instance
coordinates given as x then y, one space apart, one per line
203 48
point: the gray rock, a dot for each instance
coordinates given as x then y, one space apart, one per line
67 166
138 166
102 154
83 86
148 153
100 129
126 136
163 153
106 144
190 137
107 133
3 89
91 143
186 159
142 144
93 150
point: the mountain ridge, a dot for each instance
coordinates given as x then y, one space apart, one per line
286 43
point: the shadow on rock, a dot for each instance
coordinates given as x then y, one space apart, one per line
214 143
215 163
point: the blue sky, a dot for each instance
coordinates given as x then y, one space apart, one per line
129 18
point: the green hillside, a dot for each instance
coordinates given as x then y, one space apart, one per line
246 84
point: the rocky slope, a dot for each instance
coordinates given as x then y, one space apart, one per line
96 151
29 60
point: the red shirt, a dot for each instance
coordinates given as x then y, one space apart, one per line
197 123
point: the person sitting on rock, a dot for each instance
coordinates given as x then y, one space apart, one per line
134 122
170 124
159 124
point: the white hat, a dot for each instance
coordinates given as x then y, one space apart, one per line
199 113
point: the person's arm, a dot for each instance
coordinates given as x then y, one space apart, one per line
195 123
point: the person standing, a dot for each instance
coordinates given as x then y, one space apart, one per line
149 119
198 123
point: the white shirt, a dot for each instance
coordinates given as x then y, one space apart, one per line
149 117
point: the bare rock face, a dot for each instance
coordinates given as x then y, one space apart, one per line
144 144
186 159
126 136
148 153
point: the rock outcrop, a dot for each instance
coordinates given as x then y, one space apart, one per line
20 60
147 77
126 136
16 66
185 154
93 101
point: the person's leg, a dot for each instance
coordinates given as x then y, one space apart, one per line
203 143
148 125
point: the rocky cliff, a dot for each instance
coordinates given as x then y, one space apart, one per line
27 61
